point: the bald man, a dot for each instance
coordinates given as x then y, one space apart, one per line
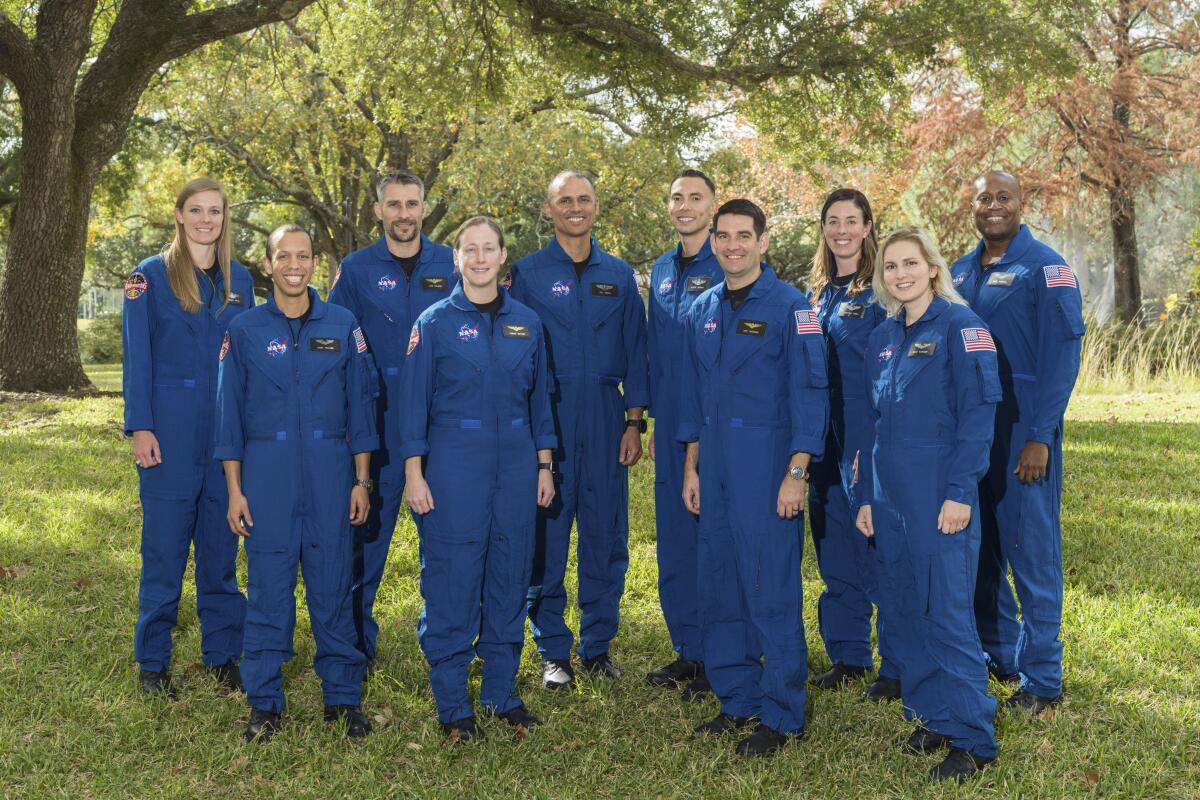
1030 300
595 326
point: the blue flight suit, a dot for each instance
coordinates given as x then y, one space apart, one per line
170 381
478 407
596 342
933 390
372 285
1036 317
754 392
672 293
844 556
294 409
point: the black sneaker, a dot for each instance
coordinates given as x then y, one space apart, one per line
463 730
557 674
152 682
764 741
959 765
724 723
670 676
357 724
923 742
1006 678
262 725
229 676
1024 700
882 690
698 689
600 666
837 677
520 718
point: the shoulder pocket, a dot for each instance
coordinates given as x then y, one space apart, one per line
814 351
989 382
1069 322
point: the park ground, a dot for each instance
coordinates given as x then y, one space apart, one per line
72 723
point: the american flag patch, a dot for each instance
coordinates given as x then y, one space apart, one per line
336 277
359 341
1060 275
977 339
807 322
224 348
414 339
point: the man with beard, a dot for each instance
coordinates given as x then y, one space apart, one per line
387 285
1030 300
680 275
595 326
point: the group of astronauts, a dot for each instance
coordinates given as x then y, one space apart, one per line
914 408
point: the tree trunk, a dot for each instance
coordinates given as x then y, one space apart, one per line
38 306
1127 284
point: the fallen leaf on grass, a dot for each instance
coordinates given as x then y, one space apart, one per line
1048 714
414 746
1090 778
11 573
82 583
259 780
83 609
27 738
237 764
1046 748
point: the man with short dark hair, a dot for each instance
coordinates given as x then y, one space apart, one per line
387 285
1031 302
754 411
680 275
595 326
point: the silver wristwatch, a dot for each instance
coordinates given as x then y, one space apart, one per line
798 474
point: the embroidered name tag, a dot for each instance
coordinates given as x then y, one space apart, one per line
752 327
699 283
605 289
857 310
1001 278
437 284
324 345
921 349
516 331
235 298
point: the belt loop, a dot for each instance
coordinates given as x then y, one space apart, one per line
318 435
281 436
735 422
518 422
470 424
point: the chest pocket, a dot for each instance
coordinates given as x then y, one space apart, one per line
755 334
514 344
999 288
602 299
921 357
321 352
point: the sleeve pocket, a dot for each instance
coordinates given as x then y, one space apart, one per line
815 355
1070 322
989 383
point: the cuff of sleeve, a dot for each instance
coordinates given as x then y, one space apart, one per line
961 494
808 444
688 432
635 399
1040 435
138 424
545 443
414 447
364 444
228 452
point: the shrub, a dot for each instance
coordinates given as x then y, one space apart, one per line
100 340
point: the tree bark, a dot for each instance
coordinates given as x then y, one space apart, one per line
71 125
1127 283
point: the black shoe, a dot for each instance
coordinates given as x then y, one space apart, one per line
157 683
839 676
762 742
262 725
882 690
672 675
600 666
923 742
959 765
229 676
1006 678
1023 700
519 718
724 723
463 730
557 674
357 724
698 689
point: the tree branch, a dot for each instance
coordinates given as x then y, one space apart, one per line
16 54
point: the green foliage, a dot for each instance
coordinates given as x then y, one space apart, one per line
72 723
100 340
1164 353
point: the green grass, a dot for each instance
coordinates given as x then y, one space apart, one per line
73 725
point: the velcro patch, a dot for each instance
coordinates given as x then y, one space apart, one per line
606 290
435 284
324 344
1001 279
698 283
752 327
922 349
856 310
516 331
136 286
235 298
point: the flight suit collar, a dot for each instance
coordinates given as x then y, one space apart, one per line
934 311
459 299
555 251
318 305
766 281
384 256
703 254
1016 249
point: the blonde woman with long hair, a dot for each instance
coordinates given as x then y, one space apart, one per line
178 305
932 388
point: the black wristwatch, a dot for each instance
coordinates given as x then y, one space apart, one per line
546 465
640 424
366 483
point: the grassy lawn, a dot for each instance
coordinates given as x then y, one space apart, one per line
72 723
